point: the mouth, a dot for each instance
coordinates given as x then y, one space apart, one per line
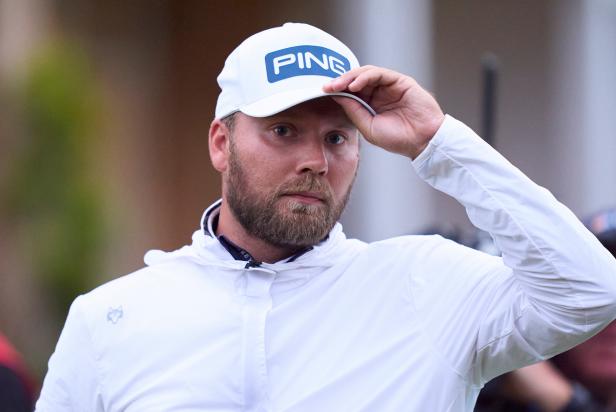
306 197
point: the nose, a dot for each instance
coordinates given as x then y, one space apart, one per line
313 158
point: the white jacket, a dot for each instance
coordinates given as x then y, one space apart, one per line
415 323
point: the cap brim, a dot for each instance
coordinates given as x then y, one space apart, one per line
282 101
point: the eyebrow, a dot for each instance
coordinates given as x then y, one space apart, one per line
280 117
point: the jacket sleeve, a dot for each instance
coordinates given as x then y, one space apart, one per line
555 285
72 383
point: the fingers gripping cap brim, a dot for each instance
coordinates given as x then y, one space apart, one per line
279 102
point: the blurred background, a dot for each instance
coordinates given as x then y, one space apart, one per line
105 107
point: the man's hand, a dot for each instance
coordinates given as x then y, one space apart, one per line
407 116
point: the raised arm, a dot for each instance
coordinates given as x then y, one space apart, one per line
555 285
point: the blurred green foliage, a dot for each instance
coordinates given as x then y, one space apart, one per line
52 195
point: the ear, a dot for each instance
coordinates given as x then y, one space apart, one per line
219 145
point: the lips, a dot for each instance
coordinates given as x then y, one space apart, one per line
307 189
307 197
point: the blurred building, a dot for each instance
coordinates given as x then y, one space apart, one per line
154 64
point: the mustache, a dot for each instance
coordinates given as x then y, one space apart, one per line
306 183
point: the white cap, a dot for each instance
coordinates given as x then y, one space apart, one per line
281 67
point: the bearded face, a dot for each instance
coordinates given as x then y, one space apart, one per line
276 216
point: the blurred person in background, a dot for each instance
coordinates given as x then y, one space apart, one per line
17 387
591 367
272 308
583 379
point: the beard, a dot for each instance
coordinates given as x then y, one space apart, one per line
280 220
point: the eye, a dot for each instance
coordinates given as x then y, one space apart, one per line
336 138
282 130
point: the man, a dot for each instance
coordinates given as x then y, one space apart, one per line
272 308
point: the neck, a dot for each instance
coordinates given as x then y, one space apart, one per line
259 249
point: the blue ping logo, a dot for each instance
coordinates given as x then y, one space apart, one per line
304 60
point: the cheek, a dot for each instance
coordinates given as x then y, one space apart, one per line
264 172
342 172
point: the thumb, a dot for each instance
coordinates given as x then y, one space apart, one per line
357 113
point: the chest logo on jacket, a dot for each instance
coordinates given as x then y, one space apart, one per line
115 314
